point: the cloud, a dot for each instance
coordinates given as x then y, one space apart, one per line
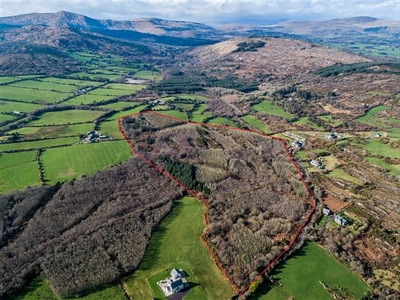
211 11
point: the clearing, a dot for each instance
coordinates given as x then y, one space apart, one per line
176 243
303 264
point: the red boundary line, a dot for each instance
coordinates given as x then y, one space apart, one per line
193 193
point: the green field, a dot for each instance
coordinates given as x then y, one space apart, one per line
267 107
61 164
19 176
117 105
339 173
72 116
38 144
199 114
176 244
369 116
301 274
8 160
174 113
110 92
7 79
329 119
30 95
53 131
373 146
127 87
151 75
110 128
221 121
10 106
191 97
255 123
38 289
96 77
306 121
184 106
127 112
393 169
43 85
4 117
74 82
88 98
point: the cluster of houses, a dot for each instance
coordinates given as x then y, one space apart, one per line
95 136
174 284
338 219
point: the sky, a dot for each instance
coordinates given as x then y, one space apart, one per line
211 11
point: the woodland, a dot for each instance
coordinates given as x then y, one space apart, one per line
257 199
83 233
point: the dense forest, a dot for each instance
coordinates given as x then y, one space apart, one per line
83 233
256 198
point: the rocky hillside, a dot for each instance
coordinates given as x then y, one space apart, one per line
273 56
149 26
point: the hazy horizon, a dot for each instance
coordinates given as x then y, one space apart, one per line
212 11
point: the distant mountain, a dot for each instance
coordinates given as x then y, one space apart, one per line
152 26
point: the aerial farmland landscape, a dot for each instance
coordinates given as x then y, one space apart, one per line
150 150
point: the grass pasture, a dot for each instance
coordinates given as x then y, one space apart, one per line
89 98
221 121
110 128
73 82
56 131
191 97
31 95
200 113
255 123
176 243
39 289
174 113
339 173
19 176
73 116
61 164
109 92
43 85
150 75
127 112
268 108
8 160
4 118
118 105
301 273
374 146
28 145
330 120
8 79
306 121
127 87
393 169
10 106
184 106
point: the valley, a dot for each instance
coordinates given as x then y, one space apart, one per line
66 139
